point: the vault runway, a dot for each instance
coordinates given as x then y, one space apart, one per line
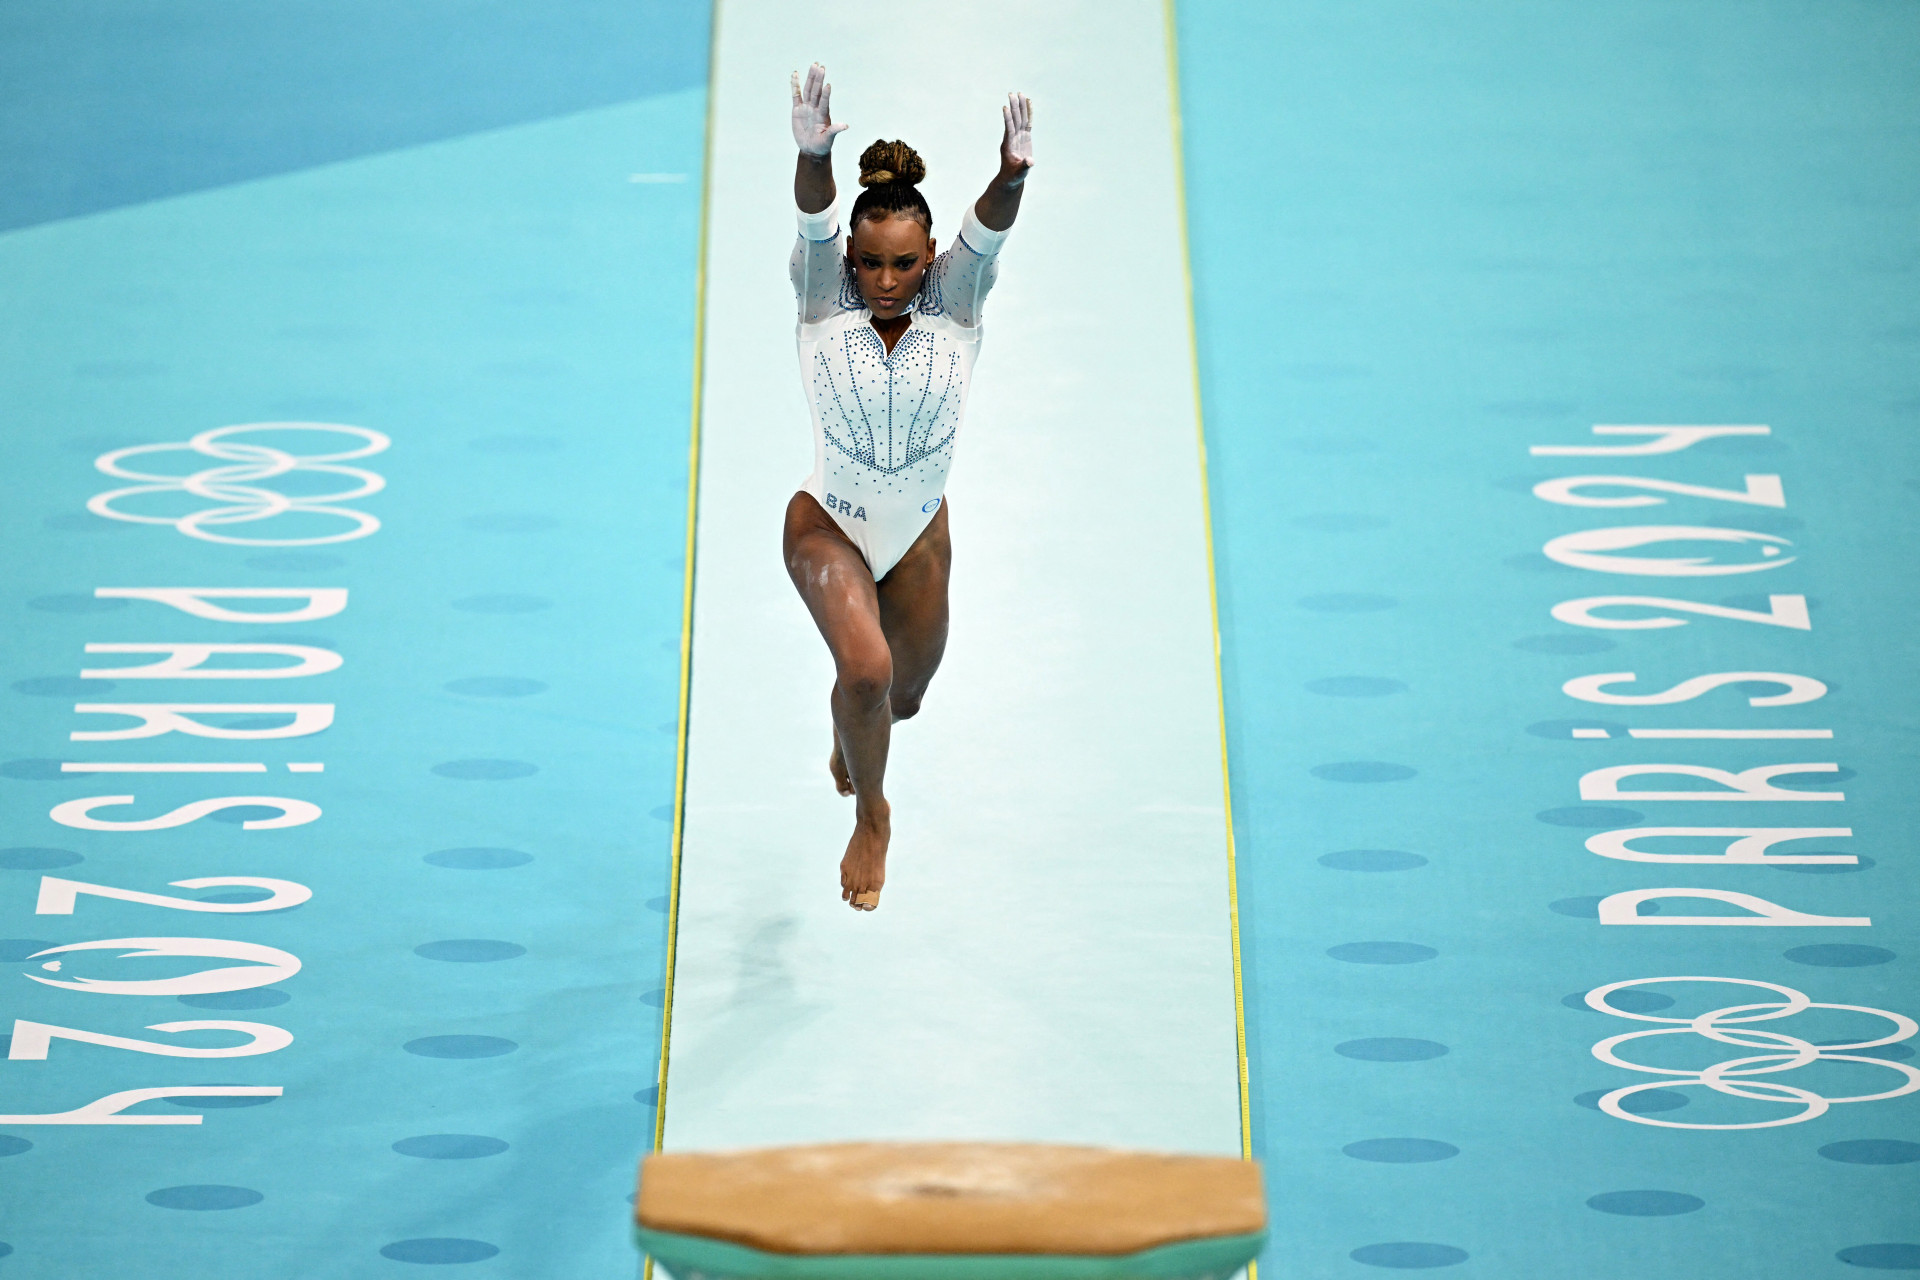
1067 972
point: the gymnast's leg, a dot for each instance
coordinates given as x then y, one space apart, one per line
913 613
832 577
913 617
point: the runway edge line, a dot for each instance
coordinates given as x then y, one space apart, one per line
1213 586
686 590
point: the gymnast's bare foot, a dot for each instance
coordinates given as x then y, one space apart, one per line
837 765
864 869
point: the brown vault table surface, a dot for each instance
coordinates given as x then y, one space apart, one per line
945 1198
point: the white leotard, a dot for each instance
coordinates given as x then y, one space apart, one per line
884 424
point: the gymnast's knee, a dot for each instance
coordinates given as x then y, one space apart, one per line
905 705
867 681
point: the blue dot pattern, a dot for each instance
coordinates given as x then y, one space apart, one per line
80 522
1562 730
515 444
440 1249
1408 1255
1390 1049
235 815
251 998
1346 602
29 858
36 770
470 950
1861 862
63 687
223 1104
1627 999
295 562
460 1046
495 687
1590 816
1645 1204
1372 860
450 1146
1873 1151
1645 1103
485 770
502 602
1401 1150
1382 952
1839 955
1355 686
1894 1256
75 602
1564 644
1363 771
478 859
1889 1052
204 1197
510 522
1339 522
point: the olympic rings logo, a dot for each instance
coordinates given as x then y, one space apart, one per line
1735 1077
237 484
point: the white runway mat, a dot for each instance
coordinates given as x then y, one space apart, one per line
1052 957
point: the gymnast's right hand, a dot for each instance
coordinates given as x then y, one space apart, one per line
813 126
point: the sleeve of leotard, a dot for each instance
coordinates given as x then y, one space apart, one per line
817 265
966 271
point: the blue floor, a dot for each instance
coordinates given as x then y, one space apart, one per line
105 103
475 1019
1427 237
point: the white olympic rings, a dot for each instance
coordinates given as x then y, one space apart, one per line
237 485
1724 1026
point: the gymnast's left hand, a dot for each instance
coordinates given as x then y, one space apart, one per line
1016 144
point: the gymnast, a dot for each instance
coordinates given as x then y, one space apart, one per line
887 335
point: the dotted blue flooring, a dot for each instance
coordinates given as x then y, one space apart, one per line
1426 238
496 324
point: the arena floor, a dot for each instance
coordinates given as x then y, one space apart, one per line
1427 563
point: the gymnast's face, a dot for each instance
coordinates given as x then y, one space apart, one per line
889 257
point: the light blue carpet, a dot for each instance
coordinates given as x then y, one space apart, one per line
475 1018
1428 236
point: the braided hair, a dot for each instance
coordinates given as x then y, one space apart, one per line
890 173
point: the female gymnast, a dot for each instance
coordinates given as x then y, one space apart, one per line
888 334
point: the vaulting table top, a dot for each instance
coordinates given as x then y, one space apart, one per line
949 1198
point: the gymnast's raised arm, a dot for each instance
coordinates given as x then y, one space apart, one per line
966 271
814 132
1000 203
816 266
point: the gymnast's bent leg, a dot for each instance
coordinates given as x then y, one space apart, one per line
913 616
832 577
913 613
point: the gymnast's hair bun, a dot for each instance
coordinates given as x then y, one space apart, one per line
891 162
